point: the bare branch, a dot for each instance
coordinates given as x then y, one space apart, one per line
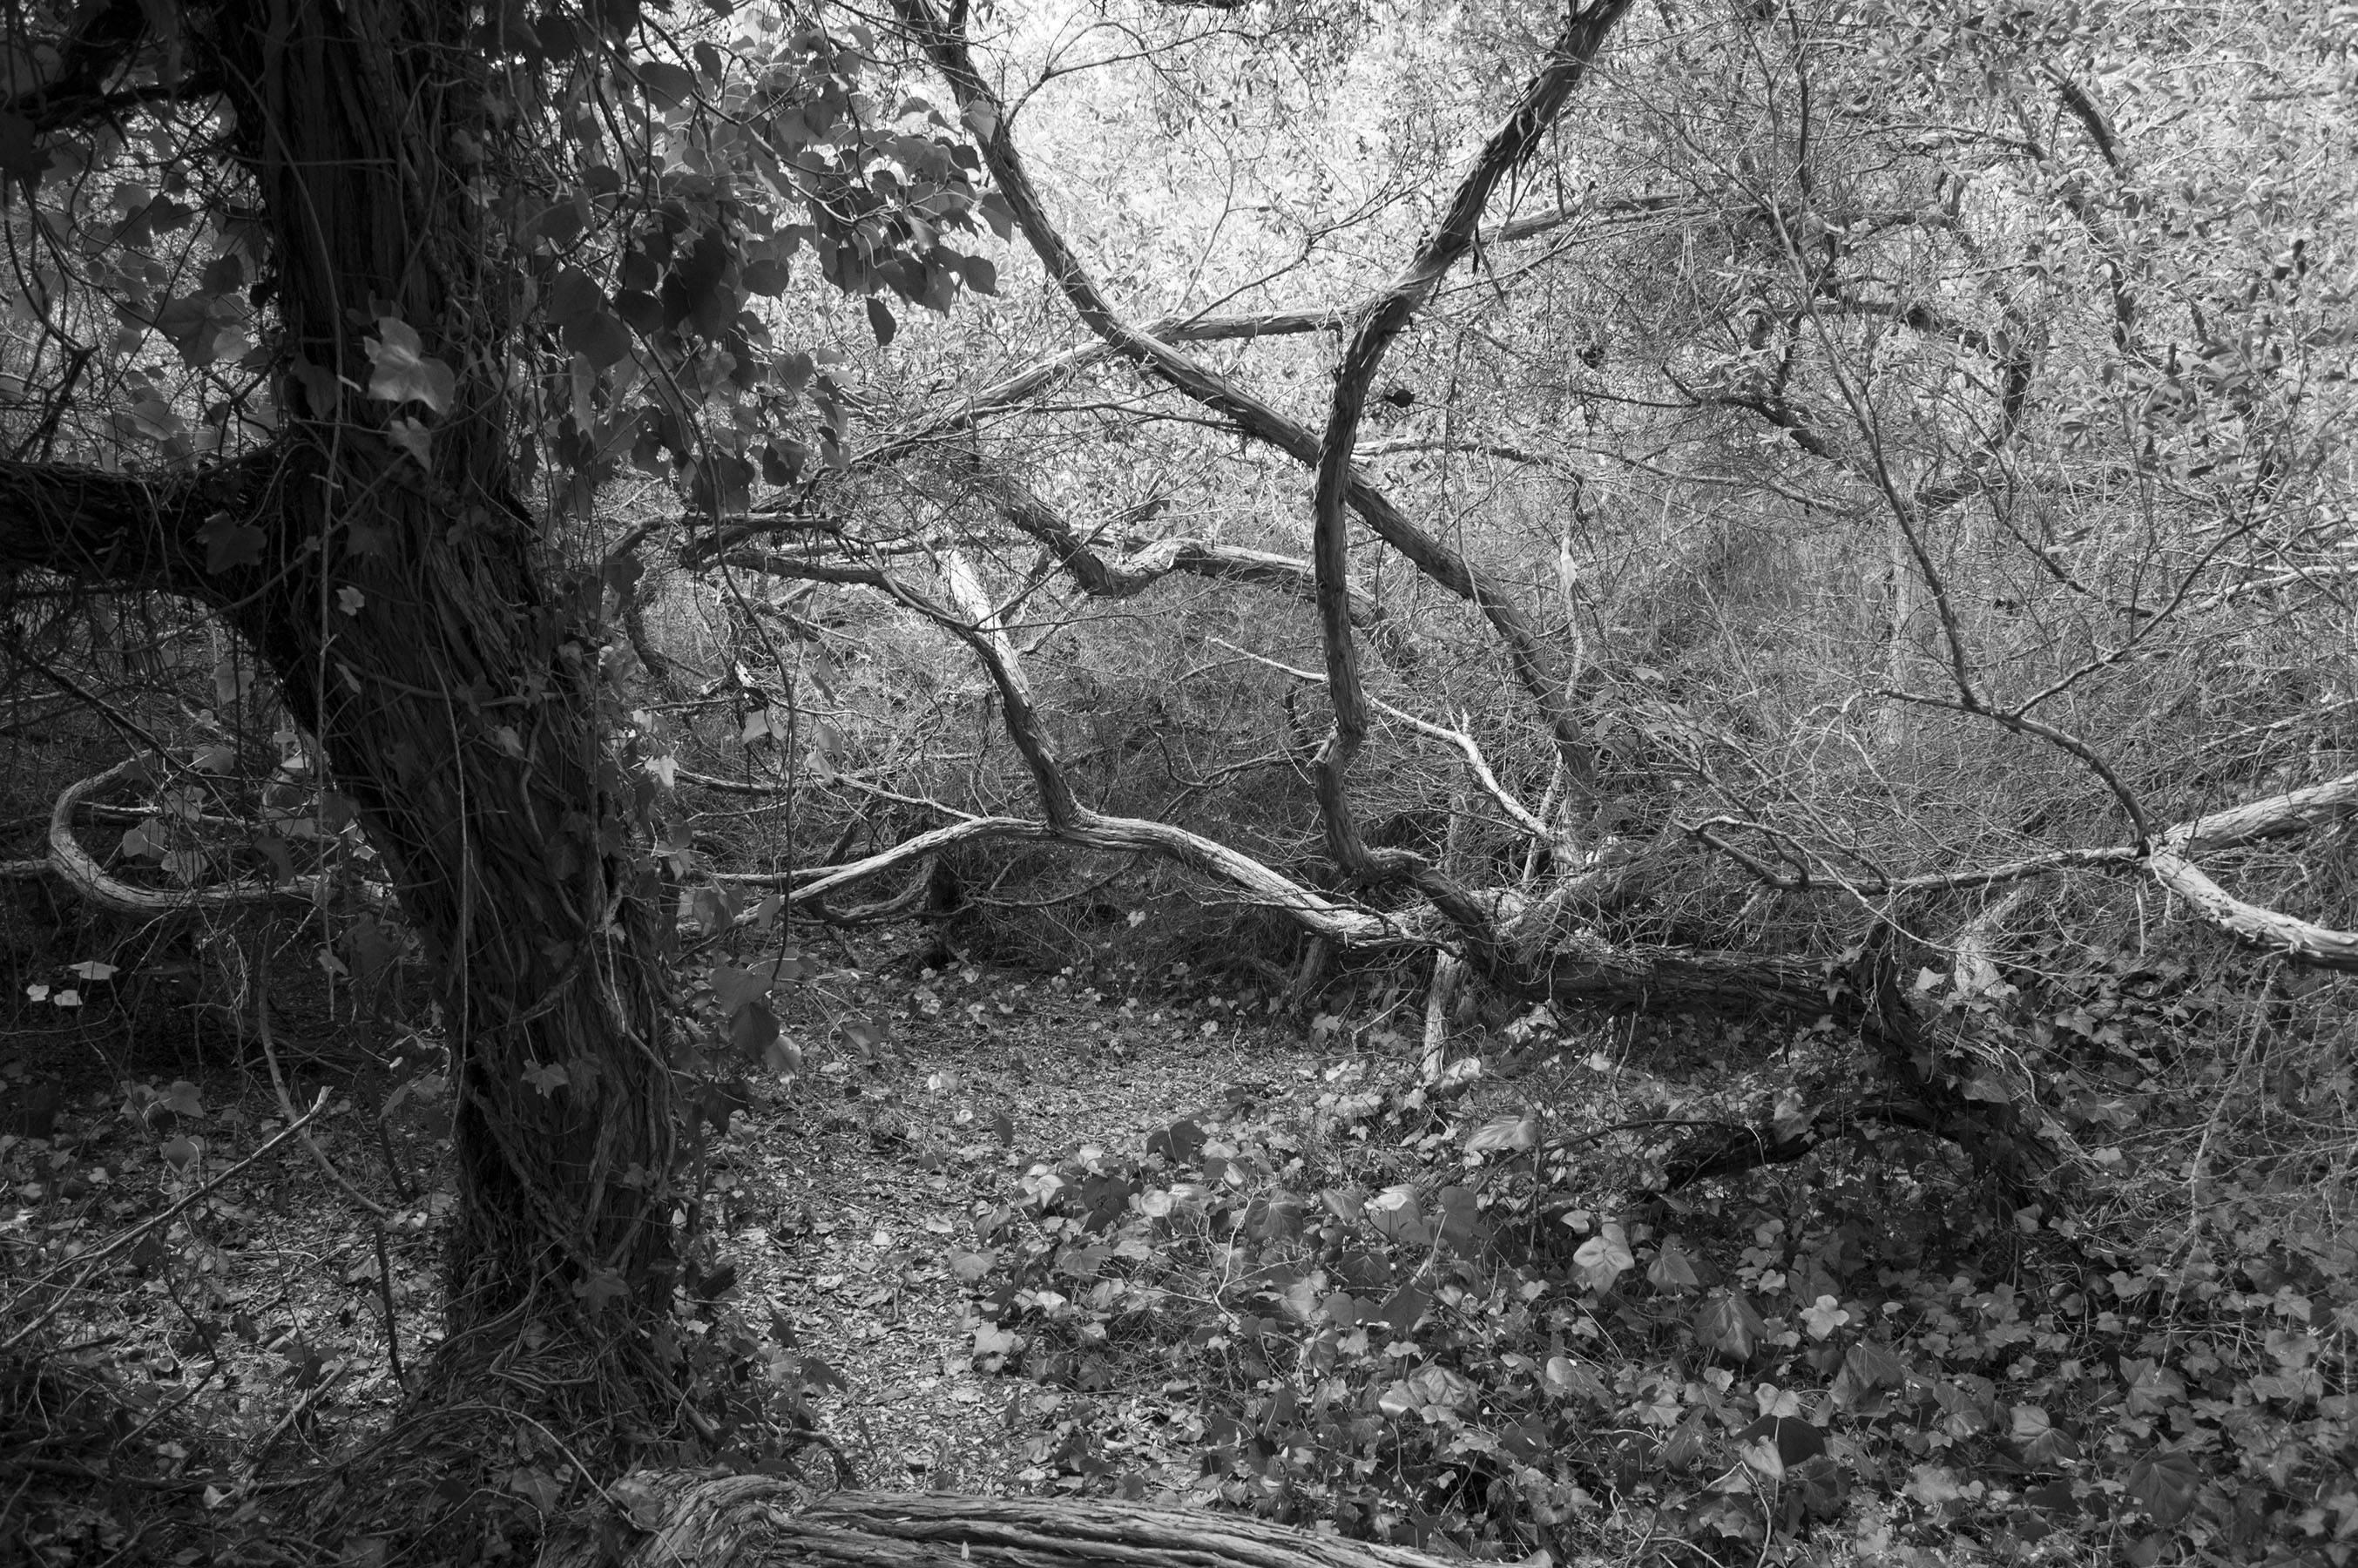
1149 561
80 871
1019 389
2285 936
2277 817
2165 860
1538 665
1475 763
1381 321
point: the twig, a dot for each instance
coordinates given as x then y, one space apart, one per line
385 1294
1475 763
311 1396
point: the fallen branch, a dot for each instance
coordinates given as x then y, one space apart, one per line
2281 936
74 865
2167 861
669 1518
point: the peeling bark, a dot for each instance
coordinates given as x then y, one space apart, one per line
757 1521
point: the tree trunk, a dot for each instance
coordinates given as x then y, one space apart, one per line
402 603
377 556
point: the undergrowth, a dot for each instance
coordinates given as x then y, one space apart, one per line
1439 1316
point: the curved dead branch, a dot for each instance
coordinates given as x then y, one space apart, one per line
2278 934
80 871
1260 885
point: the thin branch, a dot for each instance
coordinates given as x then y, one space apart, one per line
1475 763
2165 860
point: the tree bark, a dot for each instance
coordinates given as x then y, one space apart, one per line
758 1521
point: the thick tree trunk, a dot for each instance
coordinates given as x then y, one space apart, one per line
376 555
403 600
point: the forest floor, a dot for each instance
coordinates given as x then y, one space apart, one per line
256 1313
855 1208
1014 1233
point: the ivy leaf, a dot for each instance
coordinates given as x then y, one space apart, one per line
410 436
2165 1485
1867 1368
782 460
1792 1440
753 1029
734 988
229 543
319 386
714 908
404 371
1568 1378
1605 1256
998 214
1436 1387
1728 1326
1823 1316
1672 1271
548 1078
2042 1442
767 277
668 85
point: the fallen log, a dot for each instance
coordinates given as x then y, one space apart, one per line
661 1519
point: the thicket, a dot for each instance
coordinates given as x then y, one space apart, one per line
1746 610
